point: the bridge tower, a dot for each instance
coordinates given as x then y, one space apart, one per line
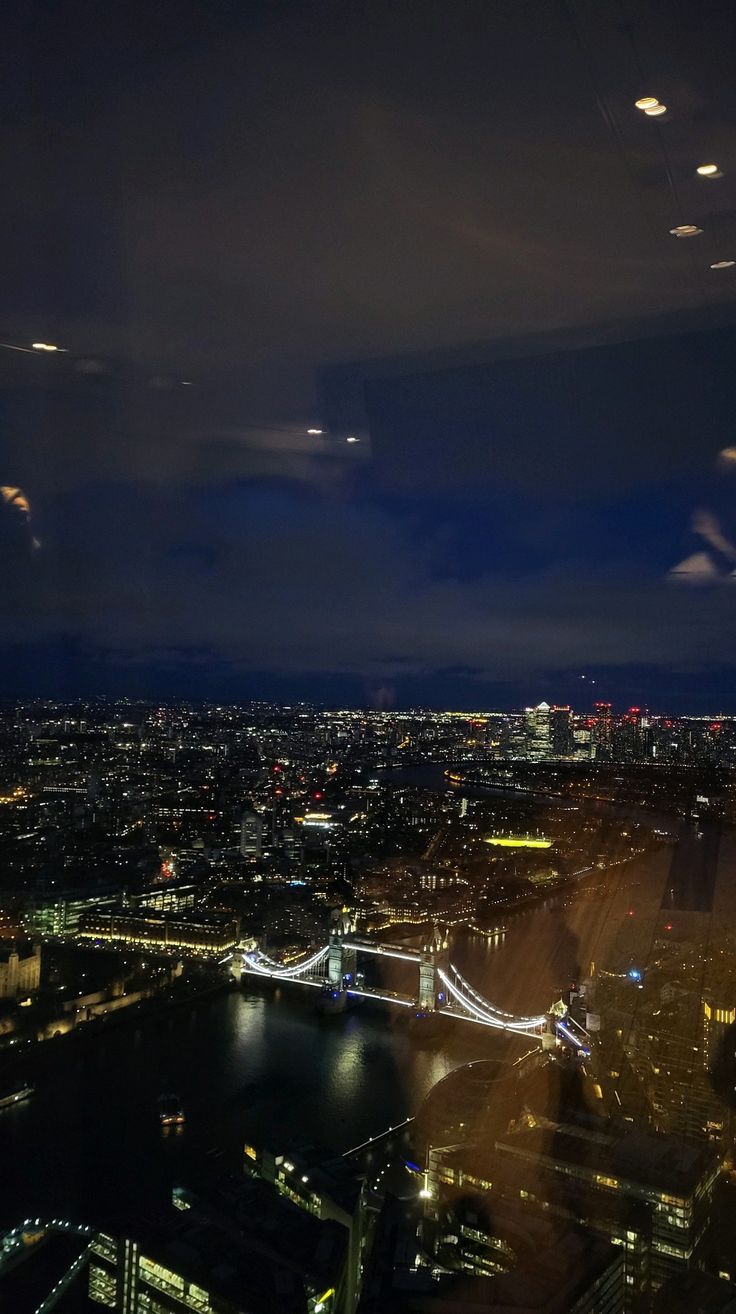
341 962
549 1033
433 955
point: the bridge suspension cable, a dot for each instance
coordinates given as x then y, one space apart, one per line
497 1012
503 1022
265 966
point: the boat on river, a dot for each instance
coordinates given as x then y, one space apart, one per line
170 1111
15 1094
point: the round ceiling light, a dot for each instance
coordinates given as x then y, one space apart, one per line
723 264
709 171
655 111
646 102
686 230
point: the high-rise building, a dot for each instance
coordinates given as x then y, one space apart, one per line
628 736
473 1259
559 1157
583 741
603 731
248 1251
251 835
560 720
538 732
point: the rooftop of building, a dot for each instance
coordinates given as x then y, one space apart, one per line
618 1151
689 1293
30 1276
186 916
334 1178
549 1279
248 1245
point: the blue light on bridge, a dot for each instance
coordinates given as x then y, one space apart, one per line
634 974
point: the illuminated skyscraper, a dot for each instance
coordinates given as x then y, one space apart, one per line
561 731
251 835
603 731
538 732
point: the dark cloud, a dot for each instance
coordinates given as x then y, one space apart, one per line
365 213
294 584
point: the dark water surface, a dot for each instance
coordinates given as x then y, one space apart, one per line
261 1065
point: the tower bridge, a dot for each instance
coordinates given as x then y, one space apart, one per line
441 989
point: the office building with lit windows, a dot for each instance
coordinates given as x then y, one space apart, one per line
649 1194
471 1260
538 732
718 1019
326 1188
187 933
251 835
249 1250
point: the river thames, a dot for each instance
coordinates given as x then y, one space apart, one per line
259 1064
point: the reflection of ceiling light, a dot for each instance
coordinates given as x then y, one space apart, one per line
316 432
45 346
709 171
686 230
655 111
646 103
723 264
352 439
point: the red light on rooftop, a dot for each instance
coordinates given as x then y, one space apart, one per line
317 794
715 726
630 912
277 766
668 927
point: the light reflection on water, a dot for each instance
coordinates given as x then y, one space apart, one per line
263 1066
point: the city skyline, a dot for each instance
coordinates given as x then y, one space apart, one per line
368 657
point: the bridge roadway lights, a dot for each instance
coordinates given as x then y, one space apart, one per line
342 963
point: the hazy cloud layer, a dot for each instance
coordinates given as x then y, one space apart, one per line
280 581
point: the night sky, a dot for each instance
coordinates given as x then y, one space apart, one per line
442 229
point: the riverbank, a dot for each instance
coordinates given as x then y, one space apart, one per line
263 1067
29 1056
